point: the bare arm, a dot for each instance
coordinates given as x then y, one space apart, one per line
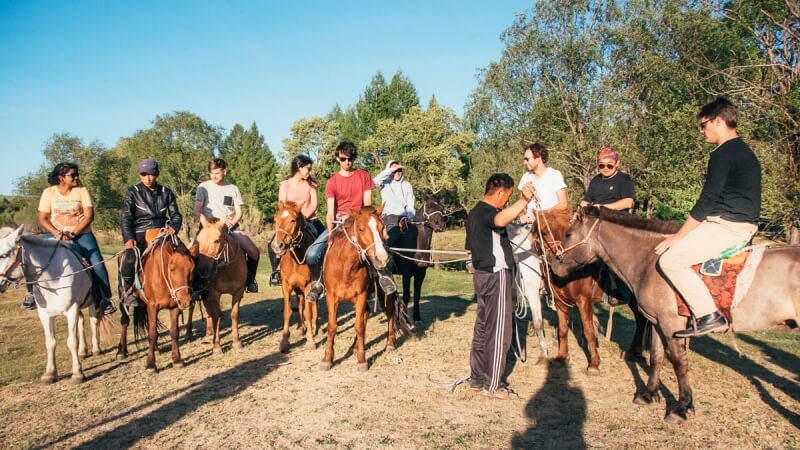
563 199
88 217
44 222
508 215
329 216
620 205
282 193
198 209
237 216
368 198
311 207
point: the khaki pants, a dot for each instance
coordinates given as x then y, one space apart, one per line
707 241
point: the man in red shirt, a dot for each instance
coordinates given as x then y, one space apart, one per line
348 189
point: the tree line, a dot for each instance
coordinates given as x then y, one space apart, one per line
574 76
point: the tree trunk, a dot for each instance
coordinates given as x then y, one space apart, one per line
793 235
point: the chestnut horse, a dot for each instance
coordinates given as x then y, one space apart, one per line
353 245
626 244
291 242
222 266
165 276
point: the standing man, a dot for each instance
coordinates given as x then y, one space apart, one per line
147 205
610 188
398 199
348 189
492 260
219 199
725 215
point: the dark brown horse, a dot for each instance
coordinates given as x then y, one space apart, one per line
222 265
165 276
353 245
626 244
291 242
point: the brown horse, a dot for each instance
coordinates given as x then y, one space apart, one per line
626 244
353 245
222 267
290 244
165 277
578 289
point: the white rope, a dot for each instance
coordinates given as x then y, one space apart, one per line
77 272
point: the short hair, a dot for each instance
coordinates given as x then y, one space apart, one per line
538 150
720 107
348 148
498 181
217 163
298 162
59 171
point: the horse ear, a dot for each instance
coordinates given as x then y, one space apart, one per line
203 221
281 205
354 212
380 209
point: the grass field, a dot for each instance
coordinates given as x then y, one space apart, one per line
261 398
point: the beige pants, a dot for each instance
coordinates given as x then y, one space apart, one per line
707 241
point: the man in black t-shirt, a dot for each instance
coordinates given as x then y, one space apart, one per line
610 188
725 215
492 260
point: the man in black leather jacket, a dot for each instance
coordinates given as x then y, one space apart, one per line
147 205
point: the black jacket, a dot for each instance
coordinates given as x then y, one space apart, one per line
144 209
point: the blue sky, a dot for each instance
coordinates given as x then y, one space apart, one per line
102 70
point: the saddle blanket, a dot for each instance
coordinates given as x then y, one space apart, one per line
736 274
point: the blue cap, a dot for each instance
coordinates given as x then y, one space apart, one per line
148 166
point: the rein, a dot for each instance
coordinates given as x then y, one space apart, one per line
295 240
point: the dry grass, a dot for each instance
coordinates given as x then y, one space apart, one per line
260 398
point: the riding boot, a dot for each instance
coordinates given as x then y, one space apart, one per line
274 261
703 325
127 280
252 267
316 285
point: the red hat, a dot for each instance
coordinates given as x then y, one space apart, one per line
608 153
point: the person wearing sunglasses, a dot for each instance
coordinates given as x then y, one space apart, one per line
347 189
610 188
147 205
66 212
397 195
550 190
725 215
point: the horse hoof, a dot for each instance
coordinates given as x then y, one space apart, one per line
362 367
646 398
151 370
237 346
310 344
542 360
216 352
178 365
324 365
390 348
592 371
121 356
77 379
284 347
48 379
676 416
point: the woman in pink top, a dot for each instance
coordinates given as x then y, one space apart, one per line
299 188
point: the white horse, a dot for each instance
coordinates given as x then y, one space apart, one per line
528 280
61 286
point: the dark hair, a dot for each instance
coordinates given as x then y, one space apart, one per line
720 107
538 150
498 181
217 163
298 162
348 148
59 171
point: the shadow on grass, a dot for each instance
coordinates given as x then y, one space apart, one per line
558 412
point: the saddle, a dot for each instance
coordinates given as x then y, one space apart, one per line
727 277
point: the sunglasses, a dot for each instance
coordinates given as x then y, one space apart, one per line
344 159
398 171
72 175
704 123
605 166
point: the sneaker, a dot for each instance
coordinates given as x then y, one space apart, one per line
474 388
503 393
387 284
29 302
251 287
107 306
315 292
275 278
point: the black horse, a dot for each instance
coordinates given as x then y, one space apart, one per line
418 235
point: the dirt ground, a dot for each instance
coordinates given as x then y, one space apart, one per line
260 398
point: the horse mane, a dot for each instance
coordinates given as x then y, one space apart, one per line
212 221
5 231
635 222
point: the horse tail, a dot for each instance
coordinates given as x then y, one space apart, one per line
106 328
400 317
139 322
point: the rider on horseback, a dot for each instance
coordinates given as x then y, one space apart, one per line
66 213
300 188
398 199
349 189
219 199
725 215
146 206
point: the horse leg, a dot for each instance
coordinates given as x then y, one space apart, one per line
72 342
650 393
213 320
308 316
287 316
676 352
538 327
189 332
634 351
587 320
235 342
93 323
333 306
419 277
177 362
361 328
83 352
406 287
563 334
49 326
124 320
152 337
391 335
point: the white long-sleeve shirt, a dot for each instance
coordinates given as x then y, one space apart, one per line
397 195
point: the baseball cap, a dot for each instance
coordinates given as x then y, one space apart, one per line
148 166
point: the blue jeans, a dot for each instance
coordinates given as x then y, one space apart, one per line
316 253
88 247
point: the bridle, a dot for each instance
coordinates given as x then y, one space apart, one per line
362 252
173 291
560 253
295 239
222 258
16 261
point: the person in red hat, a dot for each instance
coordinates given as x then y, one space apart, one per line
610 188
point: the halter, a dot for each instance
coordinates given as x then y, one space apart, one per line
295 241
583 241
223 257
173 291
362 252
17 260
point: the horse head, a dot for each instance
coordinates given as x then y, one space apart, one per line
212 243
368 233
179 274
433 213
579 247
289 225
10 267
